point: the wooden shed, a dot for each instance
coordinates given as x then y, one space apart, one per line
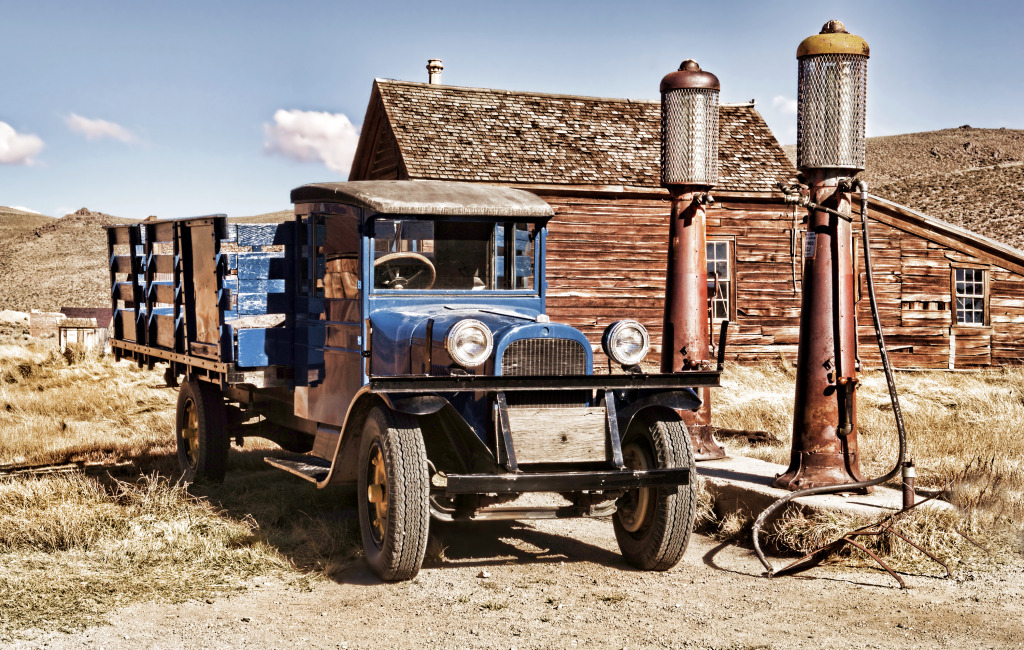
949 297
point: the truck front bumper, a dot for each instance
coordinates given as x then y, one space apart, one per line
594 481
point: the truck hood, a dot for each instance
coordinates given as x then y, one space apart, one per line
399 336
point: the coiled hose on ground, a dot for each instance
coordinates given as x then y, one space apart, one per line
901 432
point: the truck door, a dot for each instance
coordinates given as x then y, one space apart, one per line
330 345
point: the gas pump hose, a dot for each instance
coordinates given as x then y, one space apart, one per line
897 412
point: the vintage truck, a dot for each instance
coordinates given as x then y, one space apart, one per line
393 337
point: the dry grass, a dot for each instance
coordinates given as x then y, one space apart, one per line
964 433
91 409
74 547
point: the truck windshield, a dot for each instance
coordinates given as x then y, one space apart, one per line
420 254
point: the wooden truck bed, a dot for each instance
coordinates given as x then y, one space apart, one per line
205 296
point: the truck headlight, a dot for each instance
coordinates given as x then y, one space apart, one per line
626 342
469 342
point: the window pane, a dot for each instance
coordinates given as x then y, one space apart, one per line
718 263
969 288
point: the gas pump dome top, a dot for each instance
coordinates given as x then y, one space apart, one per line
689 75
833 39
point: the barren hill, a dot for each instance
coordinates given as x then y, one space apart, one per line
970 177
57 263
14 222
270 217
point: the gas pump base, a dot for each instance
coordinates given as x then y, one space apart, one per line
744 485
810 469
705 447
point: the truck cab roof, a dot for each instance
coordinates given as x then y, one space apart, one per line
428 198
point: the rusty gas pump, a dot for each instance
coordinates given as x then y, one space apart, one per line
830 150
689 168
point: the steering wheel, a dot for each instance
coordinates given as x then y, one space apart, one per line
403 271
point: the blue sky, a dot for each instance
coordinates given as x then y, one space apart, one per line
192 107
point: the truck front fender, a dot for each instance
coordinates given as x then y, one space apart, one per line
630 405
414 404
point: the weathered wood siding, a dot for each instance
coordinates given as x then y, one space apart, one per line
607 261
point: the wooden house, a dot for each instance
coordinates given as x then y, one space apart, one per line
948 297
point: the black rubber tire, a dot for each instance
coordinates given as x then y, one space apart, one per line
392 447
202 451
654 536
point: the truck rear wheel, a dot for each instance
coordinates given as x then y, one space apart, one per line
394 489
201 432
653 525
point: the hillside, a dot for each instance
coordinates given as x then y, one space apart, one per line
14 223
970 177
270 217
58 263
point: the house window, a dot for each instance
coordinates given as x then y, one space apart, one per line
969 288
719 280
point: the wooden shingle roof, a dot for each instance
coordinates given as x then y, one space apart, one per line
499 136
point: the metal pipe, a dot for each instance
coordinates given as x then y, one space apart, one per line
824 450
909 474
893 397
686 336
685 342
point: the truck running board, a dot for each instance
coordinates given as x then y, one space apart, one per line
311 468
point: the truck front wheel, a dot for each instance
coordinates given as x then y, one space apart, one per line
653 525
394 489
201 432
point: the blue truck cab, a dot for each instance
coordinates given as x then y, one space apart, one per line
394 337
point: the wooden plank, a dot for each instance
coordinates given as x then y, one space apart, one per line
911 316
265 234
162 292
121 234
126 323
121 264
162 263
261 286
256 266
124 291
558 435
164 328
207 350
159 232
250 304
258 347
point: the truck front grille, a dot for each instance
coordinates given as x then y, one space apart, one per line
544 357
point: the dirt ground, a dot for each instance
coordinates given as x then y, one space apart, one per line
554 584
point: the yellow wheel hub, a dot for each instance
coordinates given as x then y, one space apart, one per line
190 432
633 507
377 492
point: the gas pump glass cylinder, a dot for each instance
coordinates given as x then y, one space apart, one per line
831 100
689 127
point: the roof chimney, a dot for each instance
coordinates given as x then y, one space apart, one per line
434 67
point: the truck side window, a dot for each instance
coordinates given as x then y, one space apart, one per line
303 261
319 266
518 257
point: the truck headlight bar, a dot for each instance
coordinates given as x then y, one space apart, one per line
626 342
469 342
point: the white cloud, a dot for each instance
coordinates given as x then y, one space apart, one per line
98 129
785 105
17 148
24 209
310 136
